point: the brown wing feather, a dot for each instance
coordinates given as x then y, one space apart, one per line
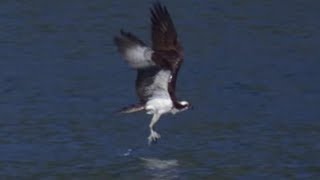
164 36
168 52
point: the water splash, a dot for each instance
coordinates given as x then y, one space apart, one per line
161 169
128 153
158 164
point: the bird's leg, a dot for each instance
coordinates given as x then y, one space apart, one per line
154 136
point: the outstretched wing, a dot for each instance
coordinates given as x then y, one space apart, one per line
151 79
164 35
157 67
133 50
168 52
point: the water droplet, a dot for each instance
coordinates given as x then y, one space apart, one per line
128 152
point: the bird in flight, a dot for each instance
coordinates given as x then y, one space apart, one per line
157 68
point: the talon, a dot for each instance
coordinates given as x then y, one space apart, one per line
152 141
153 138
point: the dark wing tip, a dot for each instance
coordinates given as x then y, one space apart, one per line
128 37
117 41
159 12
164 35
125 33
117 38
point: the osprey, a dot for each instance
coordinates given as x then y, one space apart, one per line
157 67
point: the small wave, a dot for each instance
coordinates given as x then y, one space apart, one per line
158 164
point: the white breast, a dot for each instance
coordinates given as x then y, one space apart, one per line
159 105
159 101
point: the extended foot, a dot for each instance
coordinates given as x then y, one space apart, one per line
153 138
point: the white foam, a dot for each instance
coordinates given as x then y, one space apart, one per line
128 153
158 164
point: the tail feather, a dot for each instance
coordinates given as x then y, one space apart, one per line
132 108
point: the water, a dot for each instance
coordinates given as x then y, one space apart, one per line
251 72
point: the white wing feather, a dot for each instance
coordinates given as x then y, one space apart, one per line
134 51
138 56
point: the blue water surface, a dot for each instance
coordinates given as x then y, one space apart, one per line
251 72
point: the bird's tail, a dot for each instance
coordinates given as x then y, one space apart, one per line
132 108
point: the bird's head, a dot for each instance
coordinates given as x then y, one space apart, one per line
184 104
181 106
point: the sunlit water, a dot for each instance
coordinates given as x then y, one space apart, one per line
251 72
